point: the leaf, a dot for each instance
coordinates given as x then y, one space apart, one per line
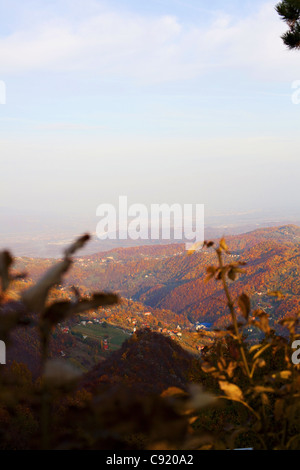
256 355
208 244
283 374
208 368
199 398
253 348
59 373
6 261
35 297
263 322
262 389
231 368
260 362
231 390
222 245
232 274
244 304
211 271
79 243
265 399
59 311
11 314
173 391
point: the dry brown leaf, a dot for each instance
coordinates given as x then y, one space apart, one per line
244 304
6 261
231 390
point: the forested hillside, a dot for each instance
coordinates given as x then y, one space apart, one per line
166 278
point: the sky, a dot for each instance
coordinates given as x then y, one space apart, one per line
164 101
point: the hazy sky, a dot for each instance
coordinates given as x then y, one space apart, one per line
160 100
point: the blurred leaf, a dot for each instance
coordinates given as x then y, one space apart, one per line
173 391
231 390
256 355
244 304
223 244
199 398
263 321
211 271
283 374
261 362
195 246
35 297
231 368
11 314
208 368
232 274
254 348
79 243
262 389
60 373
208 244
59 311
6 261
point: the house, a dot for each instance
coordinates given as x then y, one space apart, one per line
203 326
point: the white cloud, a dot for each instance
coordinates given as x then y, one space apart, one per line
151 49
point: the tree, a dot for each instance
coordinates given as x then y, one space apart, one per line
289 11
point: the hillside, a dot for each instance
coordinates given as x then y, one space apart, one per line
147 362
168 286
167 278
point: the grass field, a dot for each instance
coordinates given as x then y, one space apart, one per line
116 336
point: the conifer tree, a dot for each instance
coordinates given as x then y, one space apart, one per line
289 11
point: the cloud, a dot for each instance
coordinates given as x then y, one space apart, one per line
150 49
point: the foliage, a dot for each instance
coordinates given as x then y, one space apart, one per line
240 394
259 380
289 11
